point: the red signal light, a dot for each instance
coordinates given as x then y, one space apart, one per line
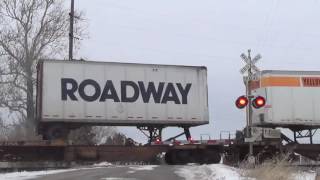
158 141
259 102
242 102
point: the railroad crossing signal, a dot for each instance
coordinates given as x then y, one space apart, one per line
252 70
250 66
256 102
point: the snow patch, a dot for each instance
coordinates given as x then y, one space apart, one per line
133 169
224 172
144 168
118 178
305 175
24 175
209 172
102 164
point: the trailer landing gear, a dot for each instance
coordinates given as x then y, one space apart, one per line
153 132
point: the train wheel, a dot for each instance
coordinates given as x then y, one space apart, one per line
168 158
178 157
210 157
183 157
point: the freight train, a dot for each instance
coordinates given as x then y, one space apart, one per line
72 94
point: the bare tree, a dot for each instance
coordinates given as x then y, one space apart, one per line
91 135
3 130
29 30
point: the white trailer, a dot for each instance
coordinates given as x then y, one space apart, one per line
75 93
292 99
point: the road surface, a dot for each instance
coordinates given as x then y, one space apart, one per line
131 172
118 173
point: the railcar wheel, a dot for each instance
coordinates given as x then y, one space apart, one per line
168 158
183 157
178 157
210 157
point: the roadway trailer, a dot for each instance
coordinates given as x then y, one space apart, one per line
71 94
292 101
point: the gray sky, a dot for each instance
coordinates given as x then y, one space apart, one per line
211 33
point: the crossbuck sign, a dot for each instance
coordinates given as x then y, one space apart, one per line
250 66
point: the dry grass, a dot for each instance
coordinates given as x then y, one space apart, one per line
275 169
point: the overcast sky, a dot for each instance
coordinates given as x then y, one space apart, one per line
211 33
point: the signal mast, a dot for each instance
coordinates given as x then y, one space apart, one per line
249 100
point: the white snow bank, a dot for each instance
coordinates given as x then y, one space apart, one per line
23 175
117 178
209 172
102 164
305 176
224 172
143 168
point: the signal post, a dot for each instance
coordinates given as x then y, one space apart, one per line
258 102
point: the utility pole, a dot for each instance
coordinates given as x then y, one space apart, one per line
71 14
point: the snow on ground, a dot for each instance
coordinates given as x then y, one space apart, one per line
117 178
102 164
133 169
144 167
209 172
305 176
224 172
24 175
188 172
